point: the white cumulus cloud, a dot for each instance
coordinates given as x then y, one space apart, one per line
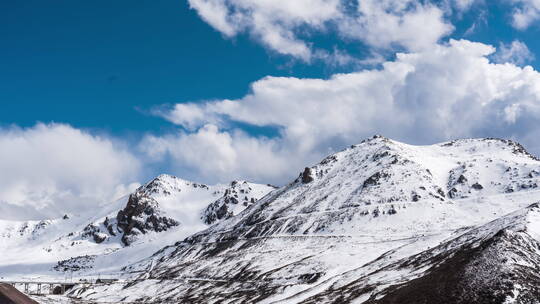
525 13
285 26
273 22
52 169
212 155
383 24
516 52
449 91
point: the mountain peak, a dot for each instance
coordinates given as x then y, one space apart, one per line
378 222
166 184
238 196
380 178
491 143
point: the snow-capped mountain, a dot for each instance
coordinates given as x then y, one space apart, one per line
380 222
168 201
235 199
116 234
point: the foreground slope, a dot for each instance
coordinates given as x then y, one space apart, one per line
348 229
10 295
498 262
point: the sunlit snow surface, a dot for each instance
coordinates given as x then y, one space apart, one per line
376 215
30 249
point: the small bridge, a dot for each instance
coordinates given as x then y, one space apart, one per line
41 286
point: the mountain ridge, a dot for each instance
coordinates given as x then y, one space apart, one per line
345 220
379 222
154 215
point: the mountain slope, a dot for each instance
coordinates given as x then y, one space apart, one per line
168 201
116 234
356 217
494 263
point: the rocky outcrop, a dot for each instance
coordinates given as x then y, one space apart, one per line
152 207
141 215
307 176
75 264
237 197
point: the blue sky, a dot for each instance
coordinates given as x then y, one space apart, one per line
100 96
103 64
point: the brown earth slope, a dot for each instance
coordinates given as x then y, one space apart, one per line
10 295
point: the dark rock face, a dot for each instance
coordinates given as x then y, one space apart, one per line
94 232
486 271
219 210
477 186
143 214
140 216
75 264
307 176
374 179
238 196
110 227
484 275
452 193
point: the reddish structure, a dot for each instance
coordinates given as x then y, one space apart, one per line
10 295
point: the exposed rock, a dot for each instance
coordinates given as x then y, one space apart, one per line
462 179
75 264
477 186
307 176
374 179
99 237
485 274
94 232
238 196
141 215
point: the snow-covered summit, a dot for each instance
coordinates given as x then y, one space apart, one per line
379 222
381 177
158 213
168 201
166 184
346 227
237 197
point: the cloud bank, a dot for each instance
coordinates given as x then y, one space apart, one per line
285 26
52 169
516 52
289 27
525 13
433 90
449 91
